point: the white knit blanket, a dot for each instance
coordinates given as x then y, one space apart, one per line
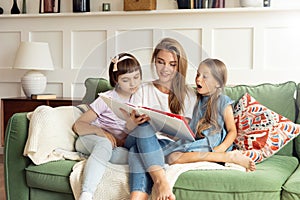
50 130
114 184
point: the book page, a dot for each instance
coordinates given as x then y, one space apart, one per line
115 106
168 123
172 126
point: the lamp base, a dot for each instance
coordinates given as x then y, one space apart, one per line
33 82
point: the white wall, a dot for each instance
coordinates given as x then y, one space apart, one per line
258 44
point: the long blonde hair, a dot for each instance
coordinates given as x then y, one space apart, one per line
178 88
210 119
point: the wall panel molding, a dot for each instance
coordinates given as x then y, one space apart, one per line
257 44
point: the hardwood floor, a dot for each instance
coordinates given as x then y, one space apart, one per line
2 190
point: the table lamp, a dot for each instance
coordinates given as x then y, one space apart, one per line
33 56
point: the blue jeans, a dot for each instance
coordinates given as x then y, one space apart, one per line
100 152
145 150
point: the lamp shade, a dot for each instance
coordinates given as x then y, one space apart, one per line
34 56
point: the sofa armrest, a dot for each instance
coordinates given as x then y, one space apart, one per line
15 163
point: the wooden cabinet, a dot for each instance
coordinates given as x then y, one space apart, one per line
9 106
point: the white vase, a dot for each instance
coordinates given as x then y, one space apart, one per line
33 82
251 3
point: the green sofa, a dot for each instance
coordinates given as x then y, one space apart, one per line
276 178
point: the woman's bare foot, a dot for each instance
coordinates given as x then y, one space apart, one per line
163 191
237 157
161 186
138 195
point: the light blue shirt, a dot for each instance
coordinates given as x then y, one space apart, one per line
212 139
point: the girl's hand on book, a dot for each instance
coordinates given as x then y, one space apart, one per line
133 119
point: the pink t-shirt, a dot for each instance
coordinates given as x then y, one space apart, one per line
106 119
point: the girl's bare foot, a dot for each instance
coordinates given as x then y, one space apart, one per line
174 158
237 157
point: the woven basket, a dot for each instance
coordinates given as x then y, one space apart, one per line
130 5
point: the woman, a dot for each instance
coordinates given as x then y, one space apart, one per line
167 93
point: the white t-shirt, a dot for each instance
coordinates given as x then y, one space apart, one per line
149 96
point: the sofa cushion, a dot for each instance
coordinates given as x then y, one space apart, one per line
264 183
260 131
298 103
93 87
53 176
297 140
277 97
37 194
297 146
291 187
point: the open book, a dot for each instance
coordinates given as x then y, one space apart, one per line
168 123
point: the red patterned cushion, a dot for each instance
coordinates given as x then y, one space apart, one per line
261 132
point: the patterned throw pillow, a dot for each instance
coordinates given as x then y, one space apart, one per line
261 132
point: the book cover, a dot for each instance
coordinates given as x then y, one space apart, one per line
168 123
197 4
43 96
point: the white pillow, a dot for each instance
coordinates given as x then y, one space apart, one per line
50 129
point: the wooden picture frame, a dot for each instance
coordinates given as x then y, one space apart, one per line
49 6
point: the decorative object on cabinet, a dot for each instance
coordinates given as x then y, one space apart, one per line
219 4
81 5
267 3
132 5
24 7
185 4
43 96
15 9
251 3
49 6
106 7
33 56
1 11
